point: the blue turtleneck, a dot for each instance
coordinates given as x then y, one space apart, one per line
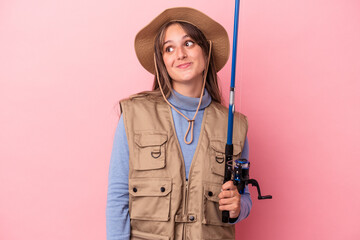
117 214
188 106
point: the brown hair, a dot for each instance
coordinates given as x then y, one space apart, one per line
211 83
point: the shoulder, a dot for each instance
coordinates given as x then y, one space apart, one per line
142 98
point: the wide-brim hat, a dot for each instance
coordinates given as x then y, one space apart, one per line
144 40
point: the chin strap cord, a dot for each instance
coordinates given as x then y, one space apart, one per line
190 121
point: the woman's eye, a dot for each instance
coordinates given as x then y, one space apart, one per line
169 49
189 43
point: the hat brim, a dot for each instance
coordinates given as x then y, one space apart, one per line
144 40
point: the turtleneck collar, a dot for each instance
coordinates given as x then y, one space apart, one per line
188 103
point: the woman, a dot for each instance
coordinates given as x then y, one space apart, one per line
167 165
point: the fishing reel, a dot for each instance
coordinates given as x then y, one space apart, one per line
241 178
238 171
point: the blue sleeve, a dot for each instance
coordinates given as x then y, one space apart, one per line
245 202
117 206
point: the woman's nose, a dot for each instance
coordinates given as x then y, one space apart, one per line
181 53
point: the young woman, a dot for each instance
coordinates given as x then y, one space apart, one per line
167 164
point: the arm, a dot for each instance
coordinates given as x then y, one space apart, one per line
117 206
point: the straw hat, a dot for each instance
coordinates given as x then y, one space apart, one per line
144 40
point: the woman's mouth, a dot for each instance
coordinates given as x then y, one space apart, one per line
184 65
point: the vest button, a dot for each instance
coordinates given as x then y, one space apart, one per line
191 218
210 193
134 189
162 189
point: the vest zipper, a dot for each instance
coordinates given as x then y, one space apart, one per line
185 207
186 195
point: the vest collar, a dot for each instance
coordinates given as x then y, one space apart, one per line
188 103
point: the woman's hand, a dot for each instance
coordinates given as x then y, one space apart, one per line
230 199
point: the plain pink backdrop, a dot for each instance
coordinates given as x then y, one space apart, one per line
65 64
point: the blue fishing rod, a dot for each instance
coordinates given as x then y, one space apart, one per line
237 170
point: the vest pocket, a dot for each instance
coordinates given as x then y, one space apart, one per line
150 150
217 155
137 235
150 198
212 215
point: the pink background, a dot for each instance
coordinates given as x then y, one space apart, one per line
65 64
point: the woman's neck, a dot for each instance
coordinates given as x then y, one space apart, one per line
188 103
188 89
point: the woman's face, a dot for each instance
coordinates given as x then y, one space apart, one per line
184 59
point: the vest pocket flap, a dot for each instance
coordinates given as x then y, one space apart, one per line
212 191
219 146
149 187
149 150
149 199
137 235
150 139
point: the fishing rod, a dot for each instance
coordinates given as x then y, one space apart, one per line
237 170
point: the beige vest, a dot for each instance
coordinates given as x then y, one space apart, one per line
162 204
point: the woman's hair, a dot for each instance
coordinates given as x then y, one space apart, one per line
211 83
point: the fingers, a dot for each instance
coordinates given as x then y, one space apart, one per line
228 190
229 185
230 199
229 207
232 205
228 194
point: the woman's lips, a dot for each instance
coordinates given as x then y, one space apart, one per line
184 65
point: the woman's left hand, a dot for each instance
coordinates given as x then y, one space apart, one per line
230 199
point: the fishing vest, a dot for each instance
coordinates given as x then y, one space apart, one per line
163 205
